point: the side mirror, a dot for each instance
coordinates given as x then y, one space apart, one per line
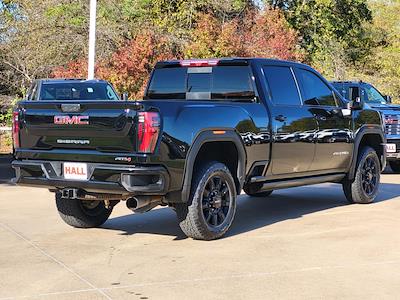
356 104
388 99
125 96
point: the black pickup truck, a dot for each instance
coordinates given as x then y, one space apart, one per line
390 112
205 130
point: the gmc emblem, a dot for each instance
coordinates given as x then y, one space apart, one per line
74 120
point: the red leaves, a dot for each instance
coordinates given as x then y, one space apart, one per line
74 69
260 34
128 68
271 37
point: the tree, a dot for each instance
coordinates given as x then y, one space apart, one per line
381 66
333 32
130 66
271 36
36 36
259 33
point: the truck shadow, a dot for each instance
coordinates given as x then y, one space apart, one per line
6 172
252 213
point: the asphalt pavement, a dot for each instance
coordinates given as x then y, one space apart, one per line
300 243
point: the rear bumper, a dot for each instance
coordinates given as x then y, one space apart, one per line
392 156
103 178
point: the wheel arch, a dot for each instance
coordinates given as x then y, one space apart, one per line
368 136
211 139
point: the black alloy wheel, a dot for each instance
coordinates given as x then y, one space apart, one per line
217 201
369 176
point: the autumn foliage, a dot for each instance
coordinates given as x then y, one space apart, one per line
128 68
260 34
264 34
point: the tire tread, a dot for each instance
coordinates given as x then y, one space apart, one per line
190 218
71 213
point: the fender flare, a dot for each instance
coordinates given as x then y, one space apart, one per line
366 130
206 136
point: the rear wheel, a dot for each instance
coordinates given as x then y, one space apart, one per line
365 186
395 166
211 207
82 214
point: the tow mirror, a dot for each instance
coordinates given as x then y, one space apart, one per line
125 96
388 99
356 104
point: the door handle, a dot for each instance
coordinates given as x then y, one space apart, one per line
321 118
281 118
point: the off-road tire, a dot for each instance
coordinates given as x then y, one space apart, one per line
74 213
395 166
191 214
355 191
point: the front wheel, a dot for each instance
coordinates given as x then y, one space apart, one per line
395 166
82 214
365 186
211 207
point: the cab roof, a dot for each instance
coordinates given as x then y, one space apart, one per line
210 62
69 80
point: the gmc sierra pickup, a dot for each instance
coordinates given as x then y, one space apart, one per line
390 112
205 130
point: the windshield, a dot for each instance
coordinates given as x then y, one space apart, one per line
77 91
372 95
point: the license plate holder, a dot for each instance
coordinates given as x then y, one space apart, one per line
391 148
75 171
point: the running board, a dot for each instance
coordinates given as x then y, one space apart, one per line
258 179
276 185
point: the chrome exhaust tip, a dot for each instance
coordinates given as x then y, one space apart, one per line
143 203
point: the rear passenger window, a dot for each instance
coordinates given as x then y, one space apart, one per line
316 92
282 85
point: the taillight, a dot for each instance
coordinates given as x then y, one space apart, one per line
15 129
390 120
148 131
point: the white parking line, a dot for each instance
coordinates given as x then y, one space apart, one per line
206 279
60 263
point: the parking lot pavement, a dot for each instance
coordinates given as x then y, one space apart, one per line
299 243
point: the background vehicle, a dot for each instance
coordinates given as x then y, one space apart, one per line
205 130
371 97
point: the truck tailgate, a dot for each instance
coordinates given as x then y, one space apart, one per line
104 126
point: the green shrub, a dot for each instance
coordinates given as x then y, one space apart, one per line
6 118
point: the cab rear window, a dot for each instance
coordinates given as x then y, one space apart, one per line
77 91
227 83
